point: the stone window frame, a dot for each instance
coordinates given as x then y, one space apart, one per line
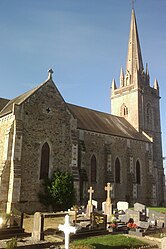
124 110
49 170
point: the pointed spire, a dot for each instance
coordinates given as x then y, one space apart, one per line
147 70
113 87
134 57
156 85
121 77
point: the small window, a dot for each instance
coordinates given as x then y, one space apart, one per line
44 165
123 110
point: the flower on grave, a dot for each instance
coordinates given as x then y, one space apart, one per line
113 225
113 219
131 224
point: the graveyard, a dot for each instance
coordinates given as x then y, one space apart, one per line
88 226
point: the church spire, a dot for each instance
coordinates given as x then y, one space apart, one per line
134 57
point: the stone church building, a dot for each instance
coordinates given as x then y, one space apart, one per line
40 132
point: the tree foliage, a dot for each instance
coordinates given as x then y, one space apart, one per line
58 191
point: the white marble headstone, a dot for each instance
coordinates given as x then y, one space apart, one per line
122 205
94 203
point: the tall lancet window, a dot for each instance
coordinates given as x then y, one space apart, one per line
117 171
93 168
138 173
44 165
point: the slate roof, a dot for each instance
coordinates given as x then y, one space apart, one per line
90 120
95 121
18 100
3 102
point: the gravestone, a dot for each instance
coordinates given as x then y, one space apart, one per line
135 215
94 203
143 224
67 229
163 243
89 208
103 206
122 205
108 204
38 227
159 218
98 221
140 207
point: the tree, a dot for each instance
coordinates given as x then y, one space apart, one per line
58 191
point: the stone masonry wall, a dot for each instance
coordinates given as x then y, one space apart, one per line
45 118
100 145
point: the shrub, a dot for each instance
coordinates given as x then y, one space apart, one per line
58 191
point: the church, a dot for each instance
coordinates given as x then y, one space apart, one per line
40 132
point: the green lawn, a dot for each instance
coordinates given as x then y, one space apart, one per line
107 242
158 209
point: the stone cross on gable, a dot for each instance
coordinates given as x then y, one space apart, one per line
90 191
50 72
108 188
67 229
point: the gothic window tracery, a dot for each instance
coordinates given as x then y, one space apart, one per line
93 168
44 165
117 171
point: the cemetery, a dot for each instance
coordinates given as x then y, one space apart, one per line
86 222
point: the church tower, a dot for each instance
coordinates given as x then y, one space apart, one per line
138 103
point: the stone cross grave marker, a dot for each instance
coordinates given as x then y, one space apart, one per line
90 205
90 191
108 204
108 188
67 229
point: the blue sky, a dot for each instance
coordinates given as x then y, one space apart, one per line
84 41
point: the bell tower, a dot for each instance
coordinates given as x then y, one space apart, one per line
138 102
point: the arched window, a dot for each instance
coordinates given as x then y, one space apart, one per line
44 165
93 168
138 173
117 171
123 110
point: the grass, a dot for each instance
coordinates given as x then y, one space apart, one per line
158 209
109 242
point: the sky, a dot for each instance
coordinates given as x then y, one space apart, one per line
84 42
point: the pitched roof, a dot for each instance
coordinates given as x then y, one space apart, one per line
95 121
3 102
18 100
90 120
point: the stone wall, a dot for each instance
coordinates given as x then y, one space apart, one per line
45 118
124 149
